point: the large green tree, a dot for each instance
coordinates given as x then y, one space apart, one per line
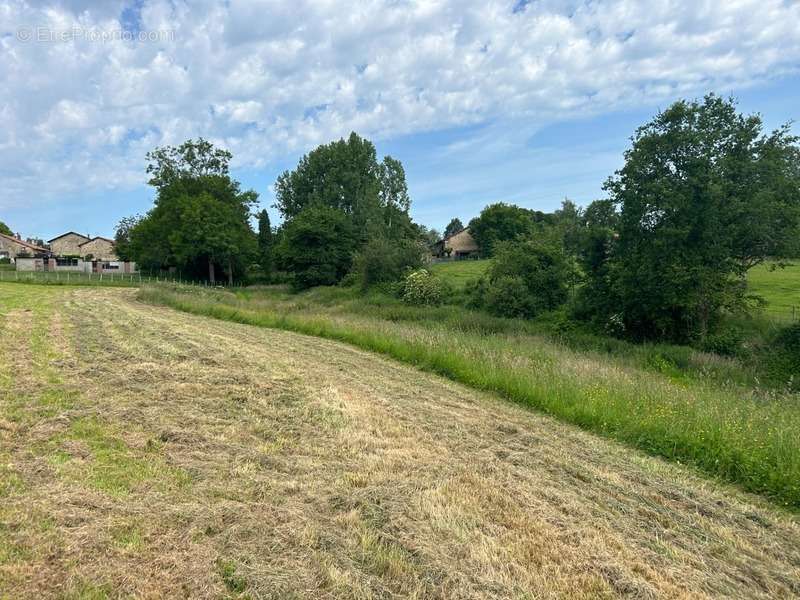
344 176
200 219
316 246
502 223
5 229
704 195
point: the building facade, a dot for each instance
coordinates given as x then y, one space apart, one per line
11 247
458 245
98 248
68 244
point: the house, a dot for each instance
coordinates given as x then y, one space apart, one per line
75 265
12 247
458 245
68 244
73 252
98 248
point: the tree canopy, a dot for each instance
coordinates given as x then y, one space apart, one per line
454 226
344 176
5 229
501 223
200 219
703 196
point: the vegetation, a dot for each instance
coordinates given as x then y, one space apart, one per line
150 453
703 197
454 226
671 401
502 223
524 279
200 221
5 229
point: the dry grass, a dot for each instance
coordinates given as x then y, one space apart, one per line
152 453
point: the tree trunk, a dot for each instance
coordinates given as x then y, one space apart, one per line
230 272
211 271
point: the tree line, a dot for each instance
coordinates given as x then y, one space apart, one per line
703 196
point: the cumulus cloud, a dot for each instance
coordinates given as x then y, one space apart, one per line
271 77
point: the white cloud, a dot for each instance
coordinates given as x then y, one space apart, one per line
271 77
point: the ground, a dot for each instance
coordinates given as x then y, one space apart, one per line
153 453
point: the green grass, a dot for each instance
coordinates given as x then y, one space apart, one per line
71 278
779 287
698 413
459 272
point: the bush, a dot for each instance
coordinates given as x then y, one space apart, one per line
525 279
728 342
384 261
780 359
420 288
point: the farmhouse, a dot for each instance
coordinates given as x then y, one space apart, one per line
98 248
458 245
68 244
12 247
76 253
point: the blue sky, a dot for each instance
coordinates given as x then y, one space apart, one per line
482 102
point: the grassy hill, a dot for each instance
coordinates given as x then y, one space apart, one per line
152 453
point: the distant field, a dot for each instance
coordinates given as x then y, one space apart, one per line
148 453
779 287
459 272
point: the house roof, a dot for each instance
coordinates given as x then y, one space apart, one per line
23 243
58 237
462 230
98 237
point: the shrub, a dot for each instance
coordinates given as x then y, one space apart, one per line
780 360
728 342
525 279
420 288
383 261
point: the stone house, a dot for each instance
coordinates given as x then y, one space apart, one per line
458 245
99 248
11 247
68 244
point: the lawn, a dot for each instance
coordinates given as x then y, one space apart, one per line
674 402
146 452
459 272
779 287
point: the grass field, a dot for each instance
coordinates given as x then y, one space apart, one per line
708 413
779 287
151 453
460 272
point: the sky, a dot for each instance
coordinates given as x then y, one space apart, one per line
526 102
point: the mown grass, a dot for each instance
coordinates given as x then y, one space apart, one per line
733 431
458 273
71 278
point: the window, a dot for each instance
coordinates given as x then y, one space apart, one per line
66 262
110 266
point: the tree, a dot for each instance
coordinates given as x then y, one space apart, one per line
316 246
430 237
568 220
345 176
200 218
5 229
192 159
454 226
704 196
265 242
502 222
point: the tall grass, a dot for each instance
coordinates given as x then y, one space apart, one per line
738 434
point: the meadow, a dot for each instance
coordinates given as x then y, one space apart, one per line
147 452
688 406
